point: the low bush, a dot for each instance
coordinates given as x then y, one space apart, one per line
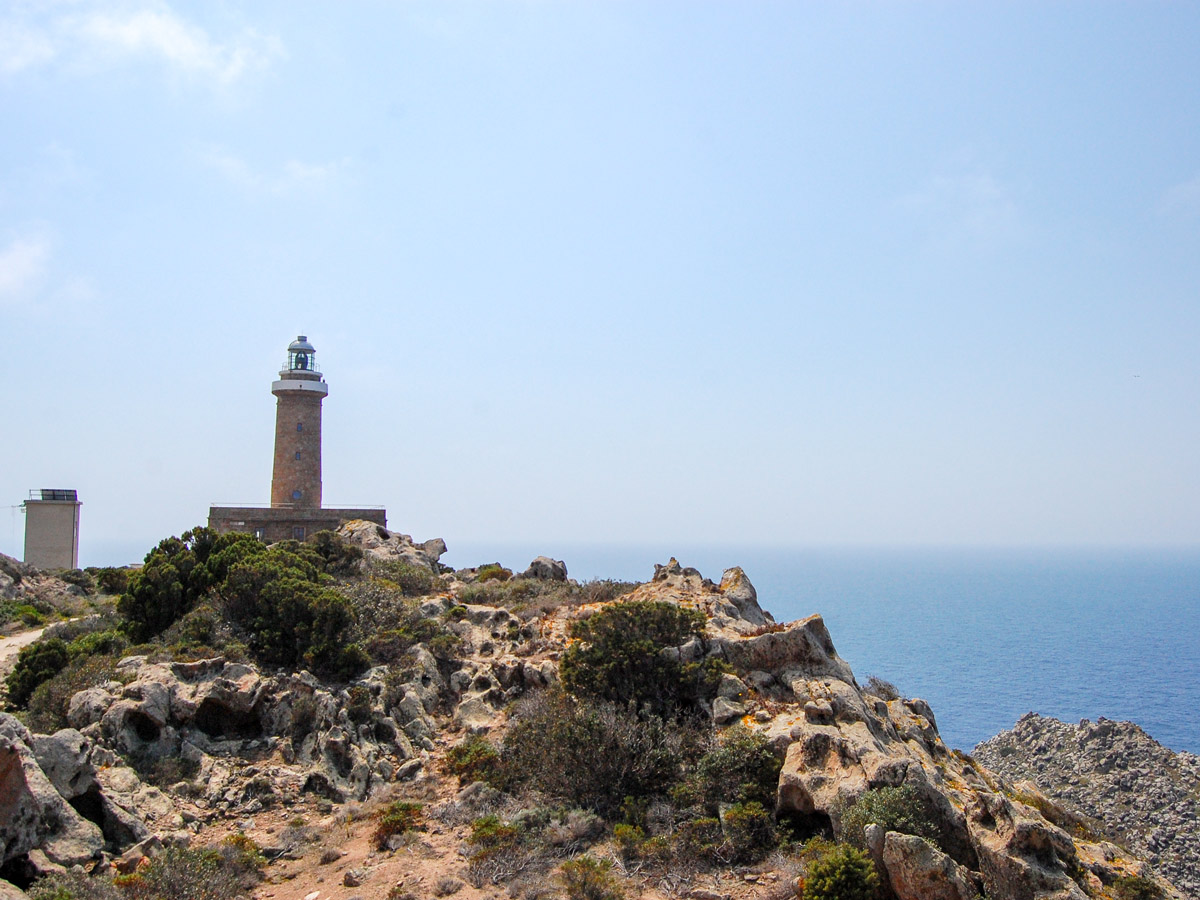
617 656
700 839
184 874
588 878
749 831
412 581
341 557
74 886
594 755
893 808
289 618
1135 887
397 818
111 580
47 706
884 690
493 572
842 873
741 768
476 759
36 663
386 621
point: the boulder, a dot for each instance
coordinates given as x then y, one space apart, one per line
738 590
917 870
32 813
65 759
546 569
9 891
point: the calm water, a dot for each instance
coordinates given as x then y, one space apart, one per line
984 636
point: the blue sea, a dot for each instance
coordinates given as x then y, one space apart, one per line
984 635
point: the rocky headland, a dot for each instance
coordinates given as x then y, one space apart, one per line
422 773
1146 796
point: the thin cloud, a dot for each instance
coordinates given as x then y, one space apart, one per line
969 206
149 31
1182 199
292 175
23 265
22 47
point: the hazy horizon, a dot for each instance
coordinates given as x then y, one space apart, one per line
660 274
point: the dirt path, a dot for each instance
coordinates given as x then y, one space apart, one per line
10 646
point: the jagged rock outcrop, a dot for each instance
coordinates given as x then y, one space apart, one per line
244 739
1116 774
211 713
838 742
377 542
35 815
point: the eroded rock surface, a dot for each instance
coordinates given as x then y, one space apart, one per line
1142 793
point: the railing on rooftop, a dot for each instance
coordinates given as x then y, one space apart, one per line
323 506
60 494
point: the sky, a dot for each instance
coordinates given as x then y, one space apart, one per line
787 274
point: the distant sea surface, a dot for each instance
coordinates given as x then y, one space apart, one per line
984 635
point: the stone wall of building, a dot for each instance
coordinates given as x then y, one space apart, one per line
297 450
273 524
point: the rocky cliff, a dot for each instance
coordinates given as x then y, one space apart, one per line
1142 793
251 748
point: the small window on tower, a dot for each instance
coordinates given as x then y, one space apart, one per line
299 426
260 533
296 495
297 454
298 532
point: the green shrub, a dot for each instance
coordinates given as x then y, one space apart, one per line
475 759
182 874
36 663
844 873
74 886
397 818
740 769
700 839
341 557
749 831
289 618
884 690
25 613
594 756
893 808
111 580
493 572
177 573
588 878
108 643
49 701
1135 887
388 622
617 656
358 704
413 581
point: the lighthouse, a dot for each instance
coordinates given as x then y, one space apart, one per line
296 479
295 511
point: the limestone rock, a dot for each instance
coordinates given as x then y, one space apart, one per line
547 569
737 588
33 814
9 891
1110 774
379 543
917 870
64 758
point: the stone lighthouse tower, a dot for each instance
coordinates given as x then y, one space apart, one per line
295 512
296 479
